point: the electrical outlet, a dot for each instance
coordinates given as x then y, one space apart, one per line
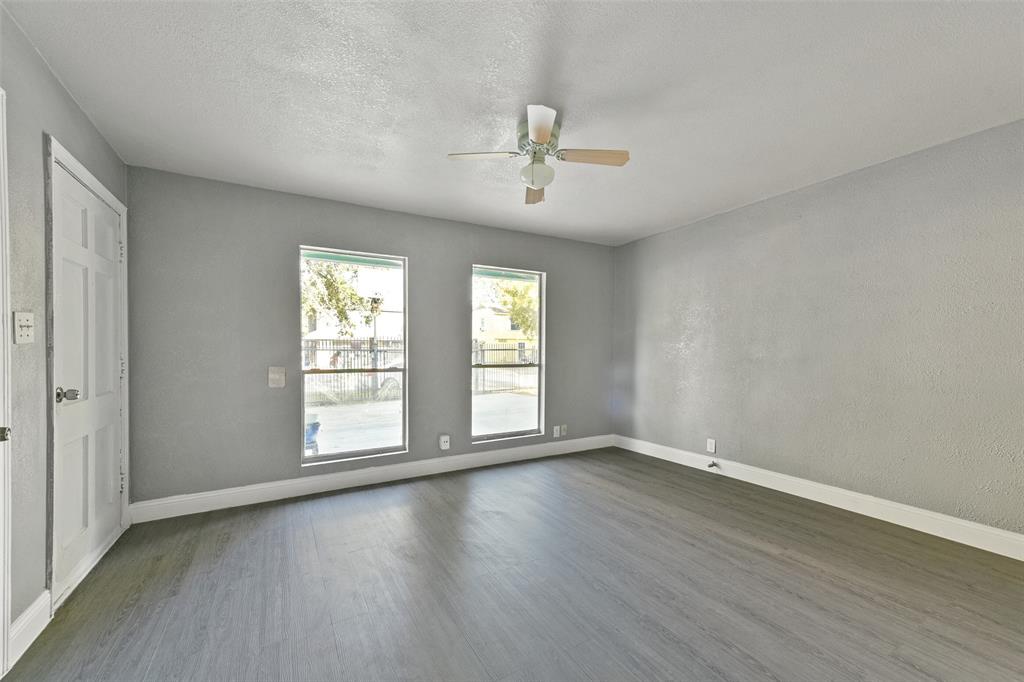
557 431
444 442
711 445
565 430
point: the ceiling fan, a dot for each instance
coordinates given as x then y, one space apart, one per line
538 139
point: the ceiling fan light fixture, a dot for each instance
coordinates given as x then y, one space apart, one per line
537 174
537 139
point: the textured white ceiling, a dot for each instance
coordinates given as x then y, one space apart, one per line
719 104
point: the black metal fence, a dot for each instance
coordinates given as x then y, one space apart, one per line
494 369
519 353
353 353
382 357
506 379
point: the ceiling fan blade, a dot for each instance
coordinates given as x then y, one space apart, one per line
605 157
485 155
539 120
534 196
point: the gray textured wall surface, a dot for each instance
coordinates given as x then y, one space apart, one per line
865 332
213 297
36 104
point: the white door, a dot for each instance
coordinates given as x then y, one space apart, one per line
87 377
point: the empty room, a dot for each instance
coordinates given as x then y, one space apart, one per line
483 341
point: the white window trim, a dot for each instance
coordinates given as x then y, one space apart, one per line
541 370
353 455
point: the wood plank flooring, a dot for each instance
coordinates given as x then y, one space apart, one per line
604 565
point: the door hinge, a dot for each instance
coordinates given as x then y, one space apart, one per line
122 481
120 247
124 367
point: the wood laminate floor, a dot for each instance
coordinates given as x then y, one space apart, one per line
599 566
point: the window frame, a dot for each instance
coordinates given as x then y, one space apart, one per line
351 455
541 364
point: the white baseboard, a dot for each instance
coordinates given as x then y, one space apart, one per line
997 540
84 567
180 505
27 627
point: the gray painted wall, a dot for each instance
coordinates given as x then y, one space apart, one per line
865 332
213 296
36 104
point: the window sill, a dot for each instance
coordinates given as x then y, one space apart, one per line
345 457
479 440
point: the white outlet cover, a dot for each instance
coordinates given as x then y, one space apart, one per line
556 431
24 327
444 441
276 377
711 445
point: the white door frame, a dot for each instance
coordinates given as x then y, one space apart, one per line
7 333
57 155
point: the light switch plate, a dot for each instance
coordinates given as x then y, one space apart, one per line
276 377
24 327
711 445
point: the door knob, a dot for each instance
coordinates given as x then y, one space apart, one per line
66 394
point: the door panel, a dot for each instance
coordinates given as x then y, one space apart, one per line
72 488
107 465
107 452
86 356
106 238
74 220
107 369
71 324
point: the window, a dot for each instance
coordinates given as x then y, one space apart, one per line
507 354
353 354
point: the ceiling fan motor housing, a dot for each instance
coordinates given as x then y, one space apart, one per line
530 148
